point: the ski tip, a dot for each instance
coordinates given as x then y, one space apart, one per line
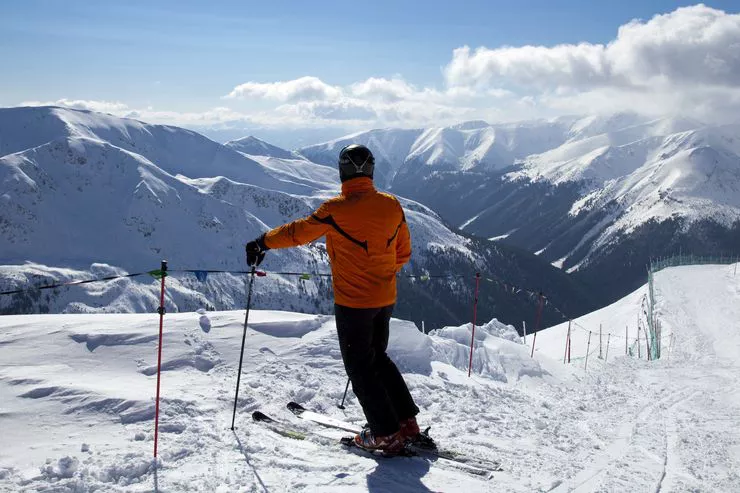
260 416
296 408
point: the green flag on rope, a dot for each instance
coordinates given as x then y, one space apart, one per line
157 274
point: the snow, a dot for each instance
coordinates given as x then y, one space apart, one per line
559 263
76 401
466 223
253 145
500 237
684 436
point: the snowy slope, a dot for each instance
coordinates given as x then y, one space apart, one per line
607 155
686 439
390 148
257 147
692 175
80 419
285 165
643 173
95 400
173 150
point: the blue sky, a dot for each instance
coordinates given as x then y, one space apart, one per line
185 56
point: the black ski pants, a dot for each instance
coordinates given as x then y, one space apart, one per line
376 381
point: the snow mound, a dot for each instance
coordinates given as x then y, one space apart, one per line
497 352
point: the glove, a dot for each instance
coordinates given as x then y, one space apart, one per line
256 251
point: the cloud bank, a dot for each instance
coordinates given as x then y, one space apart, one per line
682 63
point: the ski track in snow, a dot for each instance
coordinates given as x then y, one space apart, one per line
77 407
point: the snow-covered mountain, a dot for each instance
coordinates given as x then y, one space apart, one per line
289 166
253 145
173 150
591 195
614 200
85 194
77 401
404 155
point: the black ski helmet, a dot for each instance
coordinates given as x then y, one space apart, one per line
355 160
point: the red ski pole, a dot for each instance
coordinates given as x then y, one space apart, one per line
163 272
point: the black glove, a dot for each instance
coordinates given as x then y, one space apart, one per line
256 251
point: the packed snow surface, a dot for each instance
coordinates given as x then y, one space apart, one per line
77 401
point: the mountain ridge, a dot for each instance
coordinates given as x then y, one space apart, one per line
80 200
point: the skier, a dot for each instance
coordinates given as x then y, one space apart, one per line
368 242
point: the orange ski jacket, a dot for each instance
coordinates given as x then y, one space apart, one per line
367 240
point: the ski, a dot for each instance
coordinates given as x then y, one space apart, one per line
408 452
278 427
287 430
425 447
322 419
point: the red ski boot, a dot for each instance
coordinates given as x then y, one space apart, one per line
389 444
409 429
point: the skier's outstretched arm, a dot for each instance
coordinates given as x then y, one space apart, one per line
298 232
292 234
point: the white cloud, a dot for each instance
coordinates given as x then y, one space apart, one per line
344 109
207 117
149 114
380 89
303 89
102 106
692 45
686 62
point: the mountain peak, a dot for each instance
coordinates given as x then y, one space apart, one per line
258 147
471 125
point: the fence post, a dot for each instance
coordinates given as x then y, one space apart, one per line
647 347
600 353
608 338
639 353
524 327
588 346
475 315
567 343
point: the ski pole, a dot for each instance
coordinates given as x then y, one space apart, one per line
341 406
244 337
160 310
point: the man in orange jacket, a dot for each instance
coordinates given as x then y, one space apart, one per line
368 242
